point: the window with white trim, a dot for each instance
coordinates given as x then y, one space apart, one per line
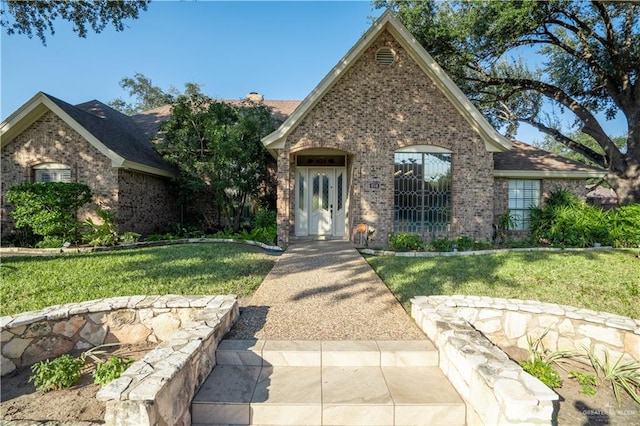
524 194
52 172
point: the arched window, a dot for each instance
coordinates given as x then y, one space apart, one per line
52 172
422 190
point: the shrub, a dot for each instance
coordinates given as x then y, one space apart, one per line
404 242
129 238
49 209
442 245
102 234
110 370
465 243
625 226
50 241
63 372
565 220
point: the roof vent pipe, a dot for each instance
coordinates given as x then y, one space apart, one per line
254 97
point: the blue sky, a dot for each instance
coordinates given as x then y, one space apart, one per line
279 49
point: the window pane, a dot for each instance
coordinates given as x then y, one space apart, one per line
422 192
524 194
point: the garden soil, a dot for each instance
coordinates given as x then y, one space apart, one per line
578 409
76 405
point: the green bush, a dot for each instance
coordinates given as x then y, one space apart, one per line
128 238
265 218
544 372
111 369
63 372
465 243
50 241
566 220
404 242
624 226
49 209
442 244
102 234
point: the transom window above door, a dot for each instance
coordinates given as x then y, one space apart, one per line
422 190
52 172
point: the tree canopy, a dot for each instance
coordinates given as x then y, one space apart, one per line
38 17
519 60
222 161
147 96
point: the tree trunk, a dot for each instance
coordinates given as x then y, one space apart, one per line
626 187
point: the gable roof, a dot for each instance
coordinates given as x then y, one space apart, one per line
149 121
526 161
112 133
494 141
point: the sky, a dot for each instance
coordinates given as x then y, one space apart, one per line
279 49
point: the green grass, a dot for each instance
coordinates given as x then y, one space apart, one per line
30 283
602 281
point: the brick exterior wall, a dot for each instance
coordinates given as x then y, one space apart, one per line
50 139
368 114
146 203
501 191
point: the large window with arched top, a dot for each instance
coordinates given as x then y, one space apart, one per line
52 172
422 190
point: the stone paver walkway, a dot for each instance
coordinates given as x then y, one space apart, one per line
323 290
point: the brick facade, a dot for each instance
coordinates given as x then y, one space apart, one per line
369 113
143 203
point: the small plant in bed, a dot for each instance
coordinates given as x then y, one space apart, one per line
110 370
60 373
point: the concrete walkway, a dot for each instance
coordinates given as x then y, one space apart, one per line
323 290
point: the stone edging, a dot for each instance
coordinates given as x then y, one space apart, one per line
155 390
138 245
373 252
497 389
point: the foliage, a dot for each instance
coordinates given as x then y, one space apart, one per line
624 225
264 218
111 369
162 237
464 243
204 268
623 375
543 371
48 209
26 17
128 238
217 147
405 242
146 95
586 380
582 59
442 245
50 241
63 372
565 220
102 234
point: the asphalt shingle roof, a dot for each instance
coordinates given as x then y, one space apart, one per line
526 157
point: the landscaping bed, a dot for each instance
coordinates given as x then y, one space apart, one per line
21 401
578 409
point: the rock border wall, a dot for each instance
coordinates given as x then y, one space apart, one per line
158 389
465 328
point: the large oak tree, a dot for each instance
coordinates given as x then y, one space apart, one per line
38 17
519 60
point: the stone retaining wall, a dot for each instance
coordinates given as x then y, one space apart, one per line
494 386
156 390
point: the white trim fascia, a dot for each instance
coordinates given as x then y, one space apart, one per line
426 149
38 105
143 168
548 174
494 142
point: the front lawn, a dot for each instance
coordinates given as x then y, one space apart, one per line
599 280
30 283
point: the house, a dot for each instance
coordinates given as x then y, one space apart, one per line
48 139
387 141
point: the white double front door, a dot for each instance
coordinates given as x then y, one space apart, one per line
320 201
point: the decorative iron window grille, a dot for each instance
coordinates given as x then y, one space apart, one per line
422 193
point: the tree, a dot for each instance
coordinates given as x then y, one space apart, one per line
587 63
29 17
147 96
216 145
50 208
